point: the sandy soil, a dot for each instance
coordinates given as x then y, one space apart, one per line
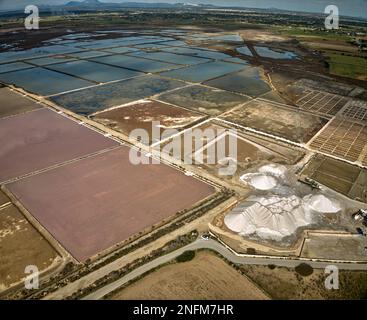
334 247
20 245
289 124
205 277
261 36
141 115
3 198
284 283
12 103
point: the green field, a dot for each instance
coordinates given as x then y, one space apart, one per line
347 66
310 34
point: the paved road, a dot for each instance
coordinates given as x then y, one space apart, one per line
229 255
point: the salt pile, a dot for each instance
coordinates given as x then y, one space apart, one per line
274 169
260 181
281 212
263 182
322 204
272 217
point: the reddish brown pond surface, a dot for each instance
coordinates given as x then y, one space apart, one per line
95 203
39 139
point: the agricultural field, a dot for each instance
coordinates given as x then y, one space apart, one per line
343 177
207 276
332 247
348 66
288 284
21 245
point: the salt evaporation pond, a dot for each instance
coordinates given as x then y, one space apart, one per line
278 54
244 50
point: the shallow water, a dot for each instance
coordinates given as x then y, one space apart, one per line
135 63
244 50
49 60
13 55
198 53
14 67
120 50
114 94
279 54
88 54
204 72
206 100
247 81
170 57
43 82
94 71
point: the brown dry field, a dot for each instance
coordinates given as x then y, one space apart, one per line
141 115
334 46
206 277
3 198
332 247
343 177
42 138
247 151
20 245
12 103
210 131
287 123
92 204
250 154
286 284
261 36
251 151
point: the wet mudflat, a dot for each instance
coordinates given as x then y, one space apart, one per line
115 94
141 116
288 124
210 101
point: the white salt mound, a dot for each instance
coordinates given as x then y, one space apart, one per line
272 217
322 204
263 182
275 169
235 222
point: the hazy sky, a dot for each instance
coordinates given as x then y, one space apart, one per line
346 7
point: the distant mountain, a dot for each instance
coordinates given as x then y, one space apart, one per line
85 3
96 4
